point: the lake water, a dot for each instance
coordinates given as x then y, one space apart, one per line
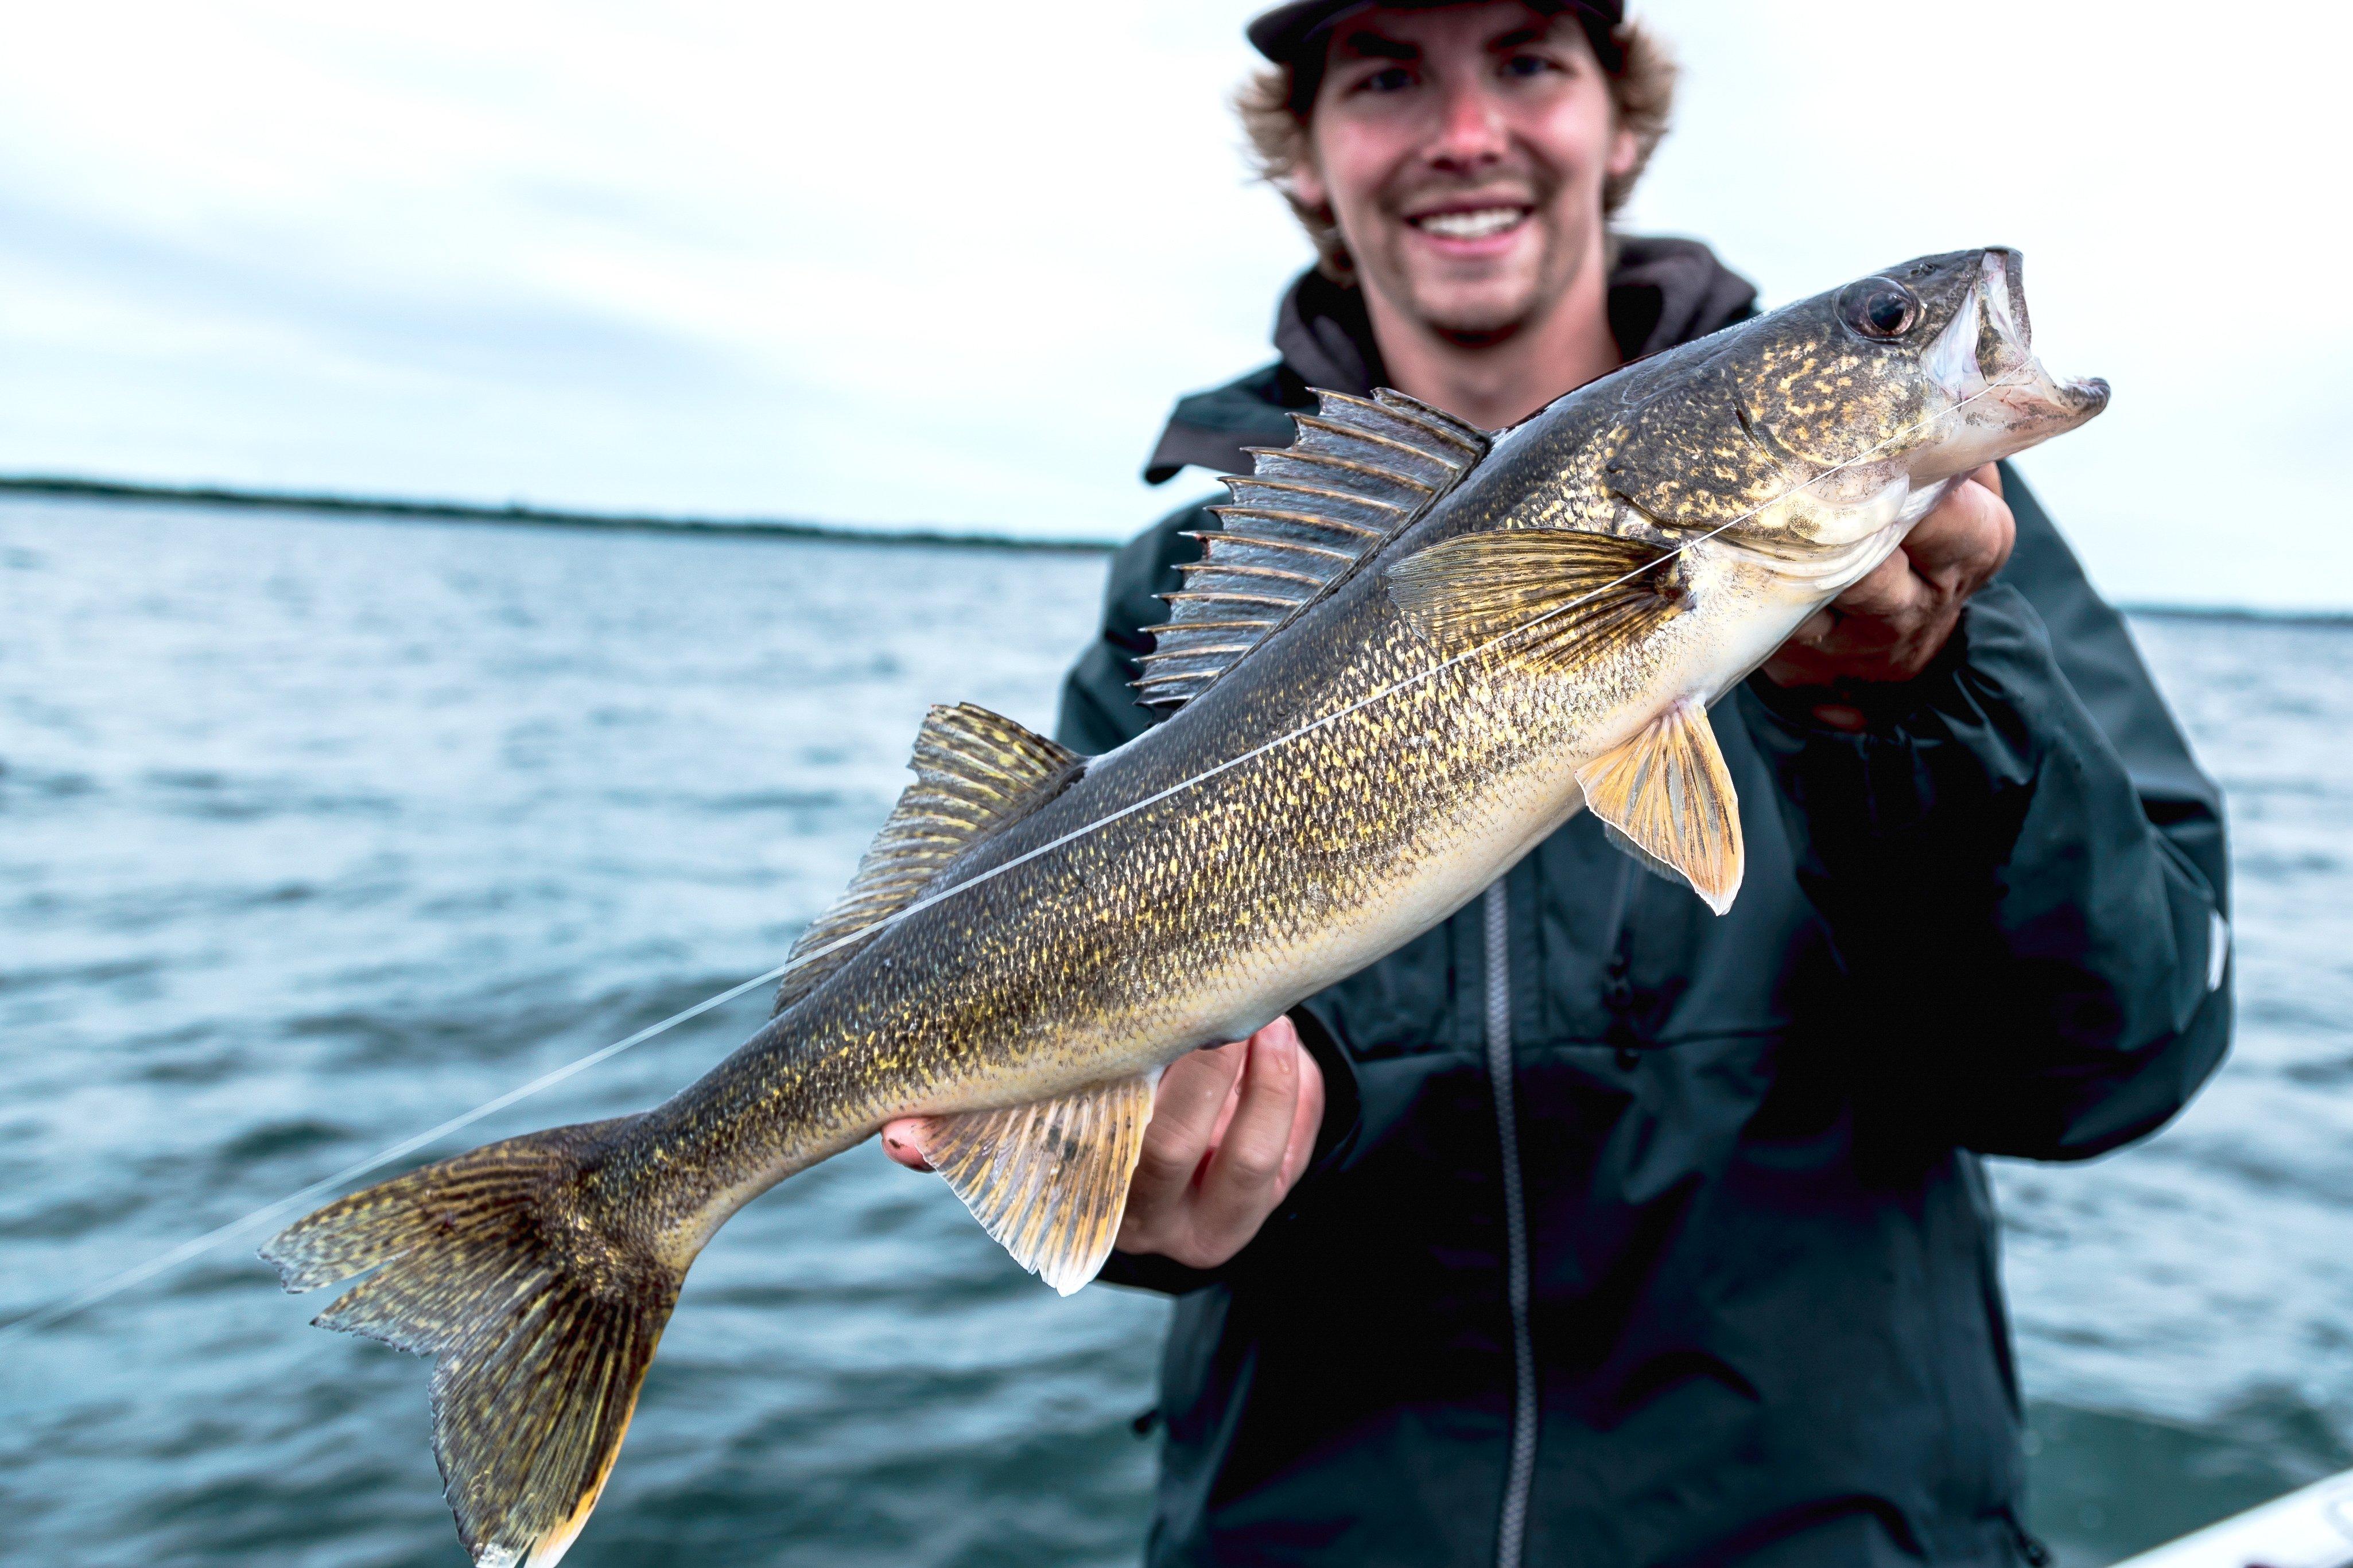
314 832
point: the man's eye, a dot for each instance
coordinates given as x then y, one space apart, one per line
1393 78
1526 64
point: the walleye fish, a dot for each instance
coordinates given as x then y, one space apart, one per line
1412 650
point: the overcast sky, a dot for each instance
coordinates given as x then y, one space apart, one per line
946 265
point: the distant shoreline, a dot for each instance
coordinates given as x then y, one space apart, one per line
780 528
2239 613
69 489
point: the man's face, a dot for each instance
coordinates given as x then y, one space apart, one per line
1462 150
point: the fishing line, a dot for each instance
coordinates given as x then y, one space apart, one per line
33 1321
42 1318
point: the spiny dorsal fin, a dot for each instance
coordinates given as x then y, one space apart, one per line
975 770
1553 597
1667 799
1048 1180
1360 470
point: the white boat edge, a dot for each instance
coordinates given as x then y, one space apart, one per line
2312 1528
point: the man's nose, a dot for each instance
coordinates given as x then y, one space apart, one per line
1471 129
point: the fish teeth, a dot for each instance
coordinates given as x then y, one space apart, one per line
1474 225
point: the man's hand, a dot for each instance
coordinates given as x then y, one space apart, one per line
1888 626
1232 1129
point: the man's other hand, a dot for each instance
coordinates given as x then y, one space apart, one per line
1232 1126
1888 626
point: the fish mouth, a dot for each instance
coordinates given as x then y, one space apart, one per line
2003 398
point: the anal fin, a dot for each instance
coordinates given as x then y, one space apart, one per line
1047 1180
1667 799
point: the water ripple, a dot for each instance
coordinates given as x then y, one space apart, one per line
316 833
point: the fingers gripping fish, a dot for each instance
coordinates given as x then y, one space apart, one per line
1411 651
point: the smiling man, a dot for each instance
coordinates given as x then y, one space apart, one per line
1591 1228
1475 220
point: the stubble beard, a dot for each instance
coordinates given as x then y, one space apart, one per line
1472 312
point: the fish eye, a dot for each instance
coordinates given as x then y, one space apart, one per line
1880 308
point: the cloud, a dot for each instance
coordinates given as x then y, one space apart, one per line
931 266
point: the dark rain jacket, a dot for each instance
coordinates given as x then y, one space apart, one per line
1750 1306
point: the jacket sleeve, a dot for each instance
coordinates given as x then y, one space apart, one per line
1099 711
2022 870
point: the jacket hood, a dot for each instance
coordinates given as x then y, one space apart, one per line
1662 293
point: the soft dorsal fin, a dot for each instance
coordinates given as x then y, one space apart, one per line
1048 1180
975 770
1360 470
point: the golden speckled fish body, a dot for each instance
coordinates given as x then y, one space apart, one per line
1204 914
1412 652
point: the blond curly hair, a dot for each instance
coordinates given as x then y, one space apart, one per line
1274 105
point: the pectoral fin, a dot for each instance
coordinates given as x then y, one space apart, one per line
1667 799
1048 1180
1556 599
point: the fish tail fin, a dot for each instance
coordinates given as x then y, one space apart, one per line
542 1322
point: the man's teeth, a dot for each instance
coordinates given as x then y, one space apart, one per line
1476 224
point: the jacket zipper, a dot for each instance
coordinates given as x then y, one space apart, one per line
1512 1526
1519 1475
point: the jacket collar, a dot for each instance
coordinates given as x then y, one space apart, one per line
1662 293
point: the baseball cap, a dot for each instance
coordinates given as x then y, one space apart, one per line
1288 31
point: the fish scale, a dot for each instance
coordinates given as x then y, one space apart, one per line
1409 653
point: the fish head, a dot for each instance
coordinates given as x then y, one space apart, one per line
1833 421
1879 391
1932 362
